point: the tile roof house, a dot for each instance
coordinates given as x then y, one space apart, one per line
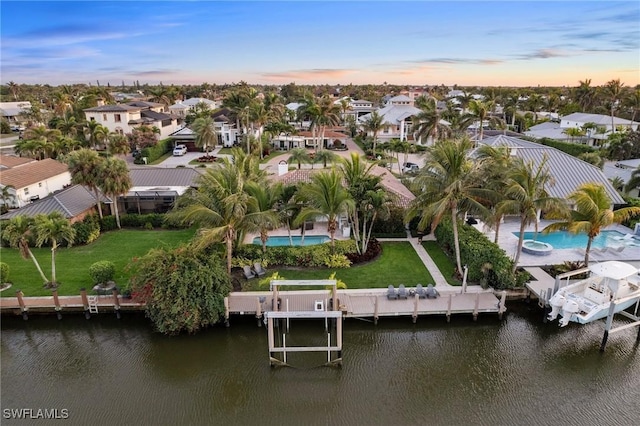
123 118
74 203
182 108
568 172
11 110
34 179
577 120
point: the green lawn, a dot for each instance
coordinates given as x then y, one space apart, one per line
398 264
72 264
447 266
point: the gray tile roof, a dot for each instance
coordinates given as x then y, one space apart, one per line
70 202
112 108
160 177
569 172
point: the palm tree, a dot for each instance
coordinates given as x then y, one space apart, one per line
14 88
68 125
299 156
526 195
574 132
220 207
18 232
428 123
448 184
584 95
374 123
325 196
8 195
634 181
633 102
114 181
53 228
593 211
479 112
84 167
206 135
614 90
118 144
328 114
96 133
325 156
264 217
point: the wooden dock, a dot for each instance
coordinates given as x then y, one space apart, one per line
370 303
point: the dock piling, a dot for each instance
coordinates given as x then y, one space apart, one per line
259 311
23 307
56 302
475 308
449 308
415 308
85 302
502 305
116 302
375 311
226 311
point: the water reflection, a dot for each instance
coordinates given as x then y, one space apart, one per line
519 370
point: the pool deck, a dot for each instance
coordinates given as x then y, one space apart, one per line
509 243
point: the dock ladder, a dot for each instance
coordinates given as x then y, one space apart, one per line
93 304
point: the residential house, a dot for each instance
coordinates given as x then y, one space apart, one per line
602 128
73 203
182 108
155 189
397 117
11 111
123 118
568 172
623 170
228 135
32 180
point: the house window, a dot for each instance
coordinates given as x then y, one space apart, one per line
39 184
104 117
26 191
117 118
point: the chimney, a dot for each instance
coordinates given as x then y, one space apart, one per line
100 102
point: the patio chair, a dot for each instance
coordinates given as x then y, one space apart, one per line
402 292
432 293
392 294
258 269
420 291
248 273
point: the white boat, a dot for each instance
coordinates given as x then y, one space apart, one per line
589 299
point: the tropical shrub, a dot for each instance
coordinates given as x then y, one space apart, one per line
337 261
4 273
152 153
305 256
391 226
486 261
87 231
573 149
102 271
108 223
184 288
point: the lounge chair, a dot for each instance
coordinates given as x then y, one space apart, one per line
248 273
258 269
402 292
392 294
432 293
420 291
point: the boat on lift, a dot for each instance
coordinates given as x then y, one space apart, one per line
590 299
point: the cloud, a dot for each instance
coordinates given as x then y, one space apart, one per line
314 73
543 54
154 73
450 61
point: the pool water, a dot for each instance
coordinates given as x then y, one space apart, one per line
567 240
309 240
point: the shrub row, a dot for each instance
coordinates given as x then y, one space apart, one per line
573 149
146 221
154 152
486 261
306 256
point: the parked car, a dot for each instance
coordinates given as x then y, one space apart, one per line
410 168
179 150
17 128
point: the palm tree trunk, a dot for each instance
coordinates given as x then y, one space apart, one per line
586 252
519 249
53 261
115 208
495 240
35 261
456 242
95 191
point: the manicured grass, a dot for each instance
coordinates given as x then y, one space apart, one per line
72 264
447 266
398 264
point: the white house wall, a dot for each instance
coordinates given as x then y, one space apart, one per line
43 188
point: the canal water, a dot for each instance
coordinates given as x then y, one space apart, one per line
518 371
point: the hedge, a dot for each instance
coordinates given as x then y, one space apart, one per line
146 221
302 256
479 253
574 149
153 153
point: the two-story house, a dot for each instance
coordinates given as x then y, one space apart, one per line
123 118
397 118
182 108
595 127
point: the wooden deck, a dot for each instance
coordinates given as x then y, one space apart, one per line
372 303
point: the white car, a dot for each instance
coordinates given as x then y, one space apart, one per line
410 168
179 150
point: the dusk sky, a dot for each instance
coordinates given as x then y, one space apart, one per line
503 43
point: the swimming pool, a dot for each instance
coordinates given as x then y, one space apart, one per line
567 240
309 240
